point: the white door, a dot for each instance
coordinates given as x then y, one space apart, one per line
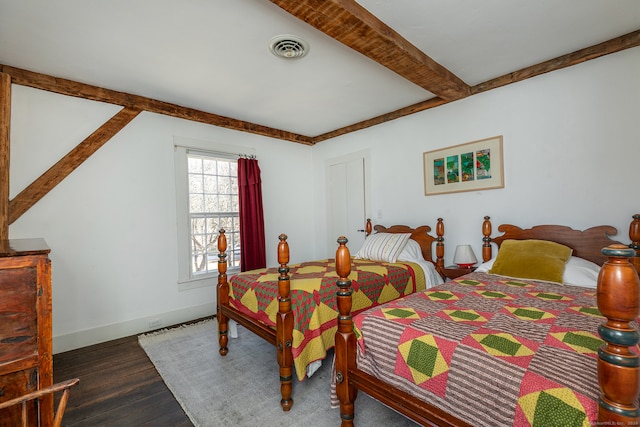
346 201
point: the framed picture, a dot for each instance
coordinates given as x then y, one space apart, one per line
472 166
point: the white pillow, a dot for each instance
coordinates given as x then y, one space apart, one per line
577 272
580 272
485 266
412 252
383 247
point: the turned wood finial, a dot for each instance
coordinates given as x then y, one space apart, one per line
368 227
222 241
283 250
618 296
343 258
440 227
222 255
486 240
343 269
283 280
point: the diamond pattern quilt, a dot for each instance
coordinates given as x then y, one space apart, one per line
313 300
490 350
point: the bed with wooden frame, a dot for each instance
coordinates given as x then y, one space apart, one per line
280 331
614 310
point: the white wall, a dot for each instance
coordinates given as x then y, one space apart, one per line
111 224
571 151
571 145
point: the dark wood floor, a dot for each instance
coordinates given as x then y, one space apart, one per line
118 387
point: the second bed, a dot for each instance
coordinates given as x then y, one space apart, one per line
294 307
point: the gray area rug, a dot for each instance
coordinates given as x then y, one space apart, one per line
242 388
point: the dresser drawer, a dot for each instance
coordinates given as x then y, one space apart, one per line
18 314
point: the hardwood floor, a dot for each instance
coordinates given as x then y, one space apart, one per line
119 386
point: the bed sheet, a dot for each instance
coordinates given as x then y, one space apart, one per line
313 289
490 350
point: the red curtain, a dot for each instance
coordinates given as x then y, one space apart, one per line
252 240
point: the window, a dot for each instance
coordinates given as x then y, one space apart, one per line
206 201
213 204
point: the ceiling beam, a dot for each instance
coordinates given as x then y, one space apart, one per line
81 90
405 111
617 44
614 45
354 26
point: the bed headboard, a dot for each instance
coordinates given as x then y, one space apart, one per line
586 244
424 239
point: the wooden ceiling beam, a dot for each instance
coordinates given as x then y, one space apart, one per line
405 111
614 45
95 93
617 44
355 27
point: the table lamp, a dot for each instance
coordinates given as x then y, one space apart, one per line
464 256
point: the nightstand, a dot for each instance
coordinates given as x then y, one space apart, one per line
453 271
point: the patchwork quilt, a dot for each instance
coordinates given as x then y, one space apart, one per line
490 350
313 298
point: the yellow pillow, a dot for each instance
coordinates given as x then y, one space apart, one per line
532 259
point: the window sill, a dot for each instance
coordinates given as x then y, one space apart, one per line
202 281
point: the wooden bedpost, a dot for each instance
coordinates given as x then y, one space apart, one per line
284 326
618 367
223 293
486 239
440 247
634 234
345 348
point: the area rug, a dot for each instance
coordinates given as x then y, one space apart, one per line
242 388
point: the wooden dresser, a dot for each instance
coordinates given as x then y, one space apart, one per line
26 362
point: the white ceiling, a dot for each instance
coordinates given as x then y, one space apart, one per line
212 55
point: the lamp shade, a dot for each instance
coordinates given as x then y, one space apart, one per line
464 256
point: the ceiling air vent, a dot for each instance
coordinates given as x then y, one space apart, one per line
288 47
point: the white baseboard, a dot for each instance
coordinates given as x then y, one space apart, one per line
87 337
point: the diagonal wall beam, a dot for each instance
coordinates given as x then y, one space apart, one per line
354 26
56 173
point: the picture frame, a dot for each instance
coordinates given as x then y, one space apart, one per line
472 166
